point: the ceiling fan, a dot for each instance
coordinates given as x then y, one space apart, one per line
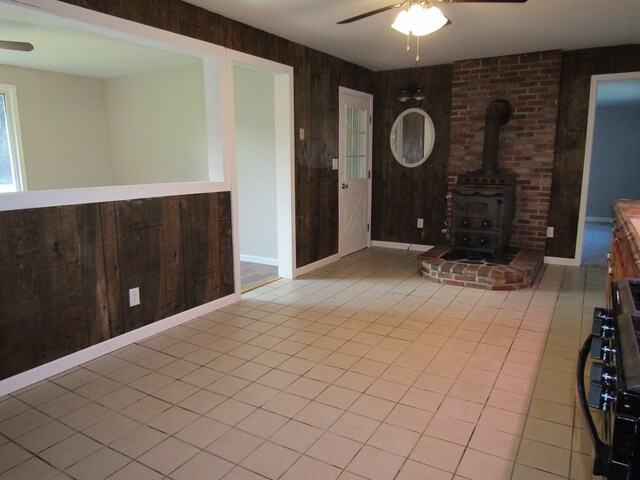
19 46
408 3
419 17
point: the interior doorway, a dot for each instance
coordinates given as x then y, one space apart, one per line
354 169
611 161
261 113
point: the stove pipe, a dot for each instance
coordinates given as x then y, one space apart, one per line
498 113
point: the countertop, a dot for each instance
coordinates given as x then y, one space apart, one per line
627 217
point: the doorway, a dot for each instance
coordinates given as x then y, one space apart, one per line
261 114
611 161
354 170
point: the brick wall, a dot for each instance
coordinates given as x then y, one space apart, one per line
531 82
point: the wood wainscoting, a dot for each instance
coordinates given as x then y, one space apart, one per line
66 271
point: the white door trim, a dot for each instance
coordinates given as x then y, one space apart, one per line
595 81
367 96
285 173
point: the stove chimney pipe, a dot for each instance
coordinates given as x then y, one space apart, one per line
498 113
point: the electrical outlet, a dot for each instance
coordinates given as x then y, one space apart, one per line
134 296
302 134
421 223
334 163
550 232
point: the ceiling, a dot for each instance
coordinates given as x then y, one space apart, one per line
64 46
477 30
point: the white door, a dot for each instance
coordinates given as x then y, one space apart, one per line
354 170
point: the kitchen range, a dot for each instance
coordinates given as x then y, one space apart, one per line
611 401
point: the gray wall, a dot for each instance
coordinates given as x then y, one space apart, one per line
256 163
615 159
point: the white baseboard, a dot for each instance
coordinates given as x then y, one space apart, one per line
402 246
315 265
55 367
260 260
599 219
567 262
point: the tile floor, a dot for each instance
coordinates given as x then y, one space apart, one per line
359 370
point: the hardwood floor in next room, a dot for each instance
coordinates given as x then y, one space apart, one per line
359 370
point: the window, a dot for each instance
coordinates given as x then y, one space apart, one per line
356 139
11 178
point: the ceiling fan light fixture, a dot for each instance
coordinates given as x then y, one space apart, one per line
419 20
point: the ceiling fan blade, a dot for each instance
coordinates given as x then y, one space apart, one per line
372 12
482 1
20 46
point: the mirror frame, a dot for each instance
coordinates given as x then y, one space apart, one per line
428 147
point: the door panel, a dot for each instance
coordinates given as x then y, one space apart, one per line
354 170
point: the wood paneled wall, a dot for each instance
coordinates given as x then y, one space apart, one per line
577 69
317 77
67 271
401 195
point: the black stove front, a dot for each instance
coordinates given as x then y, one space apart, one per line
614 391
482 212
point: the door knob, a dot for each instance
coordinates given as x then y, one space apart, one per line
344 185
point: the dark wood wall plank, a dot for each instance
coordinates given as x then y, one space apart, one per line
94 277
112 268
208 257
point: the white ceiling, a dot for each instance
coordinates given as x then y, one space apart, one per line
64 46
478 30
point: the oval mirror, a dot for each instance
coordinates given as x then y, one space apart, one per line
412 137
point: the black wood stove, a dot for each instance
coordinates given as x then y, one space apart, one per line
483 201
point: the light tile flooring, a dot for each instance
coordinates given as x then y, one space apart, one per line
359 370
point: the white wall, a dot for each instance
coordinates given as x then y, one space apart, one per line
256 162
63 125
157 127
615 160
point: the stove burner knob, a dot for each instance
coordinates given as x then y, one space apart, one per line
485 223
600 349
603 374
602 322
599 397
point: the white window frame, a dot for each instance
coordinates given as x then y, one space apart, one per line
15 139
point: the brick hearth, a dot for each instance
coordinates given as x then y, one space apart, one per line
520 273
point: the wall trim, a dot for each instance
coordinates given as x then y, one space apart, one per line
567 262
315 265
55 367
402 246
261 260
